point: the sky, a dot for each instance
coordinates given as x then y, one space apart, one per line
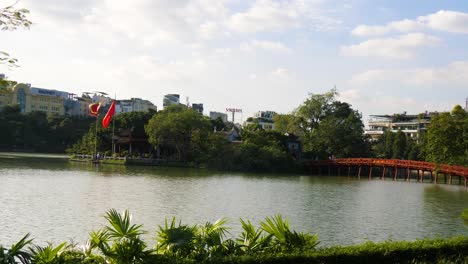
383 57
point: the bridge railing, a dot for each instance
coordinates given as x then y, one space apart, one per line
410 164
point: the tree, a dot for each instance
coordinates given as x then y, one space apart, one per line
447 138
314 109
181 129
383 147
330 127
399 145
12 18
288 123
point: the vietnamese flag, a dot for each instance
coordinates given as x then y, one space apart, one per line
108 117
94 109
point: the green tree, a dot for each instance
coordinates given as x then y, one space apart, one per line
218 124
399 145
383 147
288 123
447 138
182 129
341 132
330 127
314 109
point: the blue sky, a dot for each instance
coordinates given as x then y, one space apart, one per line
383 56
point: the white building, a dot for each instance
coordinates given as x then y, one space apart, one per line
411 125
263 118
133 105
216 115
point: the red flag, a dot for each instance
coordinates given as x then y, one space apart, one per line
108 117
94 109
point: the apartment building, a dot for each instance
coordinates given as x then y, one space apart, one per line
411 125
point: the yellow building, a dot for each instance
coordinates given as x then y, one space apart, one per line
37 99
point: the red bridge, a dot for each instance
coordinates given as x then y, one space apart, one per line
395 169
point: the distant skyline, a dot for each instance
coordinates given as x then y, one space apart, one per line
384 57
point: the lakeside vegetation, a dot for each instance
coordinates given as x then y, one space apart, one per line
274 241
36 131
324 126
445 142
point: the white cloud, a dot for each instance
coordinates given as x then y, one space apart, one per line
280 72
450 21
277 16
456 73
443 20
350 95
402 47
272 46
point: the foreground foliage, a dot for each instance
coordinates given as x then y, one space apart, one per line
273 242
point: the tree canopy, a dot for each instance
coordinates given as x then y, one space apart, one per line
182 129
327 127
447 138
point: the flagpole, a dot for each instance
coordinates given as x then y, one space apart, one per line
95 141
113 128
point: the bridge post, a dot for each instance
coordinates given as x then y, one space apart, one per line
370 173
383 172
408 174
339 171
396 174
422 176
349 170
450 179
445 178
359 172
432 177
436 176
466 180
329 170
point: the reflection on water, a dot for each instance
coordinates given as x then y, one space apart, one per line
58 200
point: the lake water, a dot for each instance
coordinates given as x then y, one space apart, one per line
56 200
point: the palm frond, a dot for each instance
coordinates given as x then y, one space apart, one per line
175 239
276 226
251 239
120 225
48 254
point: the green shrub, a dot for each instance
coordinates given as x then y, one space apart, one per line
273 242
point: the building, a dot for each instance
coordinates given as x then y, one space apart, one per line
101 98
78 105
38 99
216 115
133 105
411 125
55 102
171 99
267 115
198 108
264 119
